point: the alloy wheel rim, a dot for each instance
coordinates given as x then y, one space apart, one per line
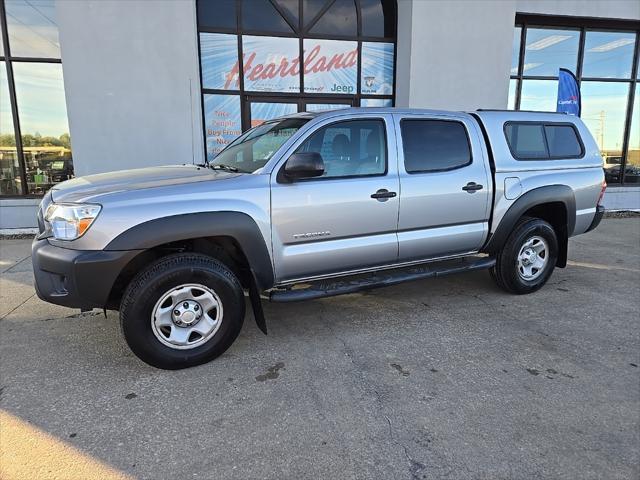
186 316
532 258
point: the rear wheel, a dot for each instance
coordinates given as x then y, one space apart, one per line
182 310
528 257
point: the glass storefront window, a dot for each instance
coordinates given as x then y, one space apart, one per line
547 50
219 61
319 107
32 28
378 18
511 100
330 66
605 71
539 95
311 8
263 111
632 171
604 106
218 14
376 102
43 123
339 19
41 154
377 68
222 120
263 17
271 64
279 73
608 54
10 181
291 9
515 50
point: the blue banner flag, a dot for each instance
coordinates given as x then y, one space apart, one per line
568 93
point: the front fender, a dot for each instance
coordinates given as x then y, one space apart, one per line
236 225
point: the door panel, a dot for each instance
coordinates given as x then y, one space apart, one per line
437 217
330 225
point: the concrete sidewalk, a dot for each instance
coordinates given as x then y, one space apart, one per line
442 378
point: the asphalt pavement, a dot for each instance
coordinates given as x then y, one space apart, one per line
442 378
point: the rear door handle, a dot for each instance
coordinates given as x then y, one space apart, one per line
472 187
383 194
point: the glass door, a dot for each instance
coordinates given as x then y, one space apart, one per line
320 104
262 109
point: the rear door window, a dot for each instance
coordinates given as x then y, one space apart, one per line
434 145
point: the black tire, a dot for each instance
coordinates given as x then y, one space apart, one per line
146 289
506 270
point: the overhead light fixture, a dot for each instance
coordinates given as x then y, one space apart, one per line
547 42
605 47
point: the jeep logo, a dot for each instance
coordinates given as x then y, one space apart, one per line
342 88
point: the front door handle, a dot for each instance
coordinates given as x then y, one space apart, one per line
472 187
383 194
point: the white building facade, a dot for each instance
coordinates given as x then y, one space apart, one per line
102 85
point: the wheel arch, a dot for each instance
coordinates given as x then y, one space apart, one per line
555 204
233 237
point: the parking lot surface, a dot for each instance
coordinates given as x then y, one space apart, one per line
441 378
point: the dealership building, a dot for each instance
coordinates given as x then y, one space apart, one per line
101 85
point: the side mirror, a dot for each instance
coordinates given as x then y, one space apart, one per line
304 165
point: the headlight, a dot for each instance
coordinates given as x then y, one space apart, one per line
70 221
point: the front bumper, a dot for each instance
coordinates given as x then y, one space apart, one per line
597 218
76 278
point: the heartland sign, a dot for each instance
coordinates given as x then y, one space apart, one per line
273 65
314 62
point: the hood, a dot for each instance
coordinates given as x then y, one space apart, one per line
83 189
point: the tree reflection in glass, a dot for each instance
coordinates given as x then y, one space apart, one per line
43 124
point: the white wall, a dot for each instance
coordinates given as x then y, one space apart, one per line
460 53
457 54
132 83
625 9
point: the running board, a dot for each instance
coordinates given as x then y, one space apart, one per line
383 278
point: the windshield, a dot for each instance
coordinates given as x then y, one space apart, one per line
253 149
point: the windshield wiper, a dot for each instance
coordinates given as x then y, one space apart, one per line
222 166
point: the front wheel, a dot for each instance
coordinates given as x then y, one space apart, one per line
182 310
528 257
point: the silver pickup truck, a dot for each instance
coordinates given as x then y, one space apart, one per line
314 205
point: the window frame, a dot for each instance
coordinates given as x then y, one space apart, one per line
308 135
450 169
584 25
544 126
301 30
9 59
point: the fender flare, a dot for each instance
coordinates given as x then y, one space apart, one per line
530 199
236 225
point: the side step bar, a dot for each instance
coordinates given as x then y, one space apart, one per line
384 278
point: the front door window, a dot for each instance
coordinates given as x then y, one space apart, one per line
354 148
